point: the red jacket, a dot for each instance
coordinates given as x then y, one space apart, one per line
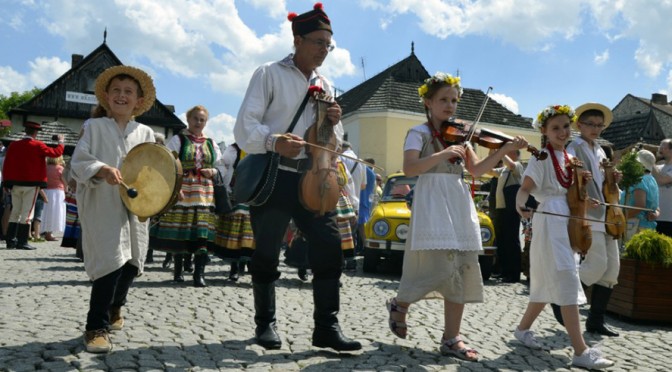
25 163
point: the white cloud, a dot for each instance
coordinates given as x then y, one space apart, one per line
528 24
649 62
12 81
45 70
602 58
506 101
42 71
274 8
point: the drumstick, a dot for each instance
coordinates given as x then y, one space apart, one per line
131 192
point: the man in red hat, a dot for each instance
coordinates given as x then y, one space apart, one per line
25 172
275 92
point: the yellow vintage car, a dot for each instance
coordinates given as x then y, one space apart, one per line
387 229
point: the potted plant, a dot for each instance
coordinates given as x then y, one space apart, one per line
643 291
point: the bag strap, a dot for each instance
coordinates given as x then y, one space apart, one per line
299 112
353 167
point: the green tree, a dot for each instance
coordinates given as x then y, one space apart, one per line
15 99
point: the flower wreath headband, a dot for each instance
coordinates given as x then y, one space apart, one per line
552 111
440 77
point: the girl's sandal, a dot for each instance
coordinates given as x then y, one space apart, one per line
396 325
465 353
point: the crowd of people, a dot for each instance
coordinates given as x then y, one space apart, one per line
441 254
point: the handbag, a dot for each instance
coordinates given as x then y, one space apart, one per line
256 173
222 201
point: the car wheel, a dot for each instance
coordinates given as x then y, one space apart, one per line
371 261
486 263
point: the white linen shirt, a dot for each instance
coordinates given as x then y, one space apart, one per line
112 236
274 95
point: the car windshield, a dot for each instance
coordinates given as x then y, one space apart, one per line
397 188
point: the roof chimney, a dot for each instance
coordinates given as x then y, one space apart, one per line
659 98
76 58
170 108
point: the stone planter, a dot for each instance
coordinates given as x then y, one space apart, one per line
643 292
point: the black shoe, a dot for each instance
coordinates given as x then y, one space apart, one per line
233 274
199 270
22 237
303 274
327 333
188 264
598 306
167 260
264 315
600 329
268 338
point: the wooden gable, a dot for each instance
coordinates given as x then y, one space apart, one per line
70 96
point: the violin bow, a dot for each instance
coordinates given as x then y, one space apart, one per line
472 130
572 217
340 154
621 206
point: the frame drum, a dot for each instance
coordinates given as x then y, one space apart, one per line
156 173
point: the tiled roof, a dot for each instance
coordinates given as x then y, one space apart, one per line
48 130
396 88
666 109
625 130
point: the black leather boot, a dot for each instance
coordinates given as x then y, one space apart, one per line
327 333
598 306
22 237
10 239
264 315
233 274
200 260
188 264
558 314
177 269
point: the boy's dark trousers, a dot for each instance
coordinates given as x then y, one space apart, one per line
106 292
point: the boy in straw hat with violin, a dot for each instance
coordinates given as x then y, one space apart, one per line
115 242
601 264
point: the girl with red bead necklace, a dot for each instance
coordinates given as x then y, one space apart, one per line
553 264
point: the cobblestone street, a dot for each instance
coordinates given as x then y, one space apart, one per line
44 295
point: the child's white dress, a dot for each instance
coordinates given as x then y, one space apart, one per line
441 254
554 276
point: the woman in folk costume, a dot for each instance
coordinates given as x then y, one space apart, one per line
441 254
189 226
554 275
234 240
345 213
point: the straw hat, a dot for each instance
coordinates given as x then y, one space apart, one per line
145 81
608 116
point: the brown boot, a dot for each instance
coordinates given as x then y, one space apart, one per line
97 341
116 320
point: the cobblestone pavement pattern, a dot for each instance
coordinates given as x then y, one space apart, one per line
44 296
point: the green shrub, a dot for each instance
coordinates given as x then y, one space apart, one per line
650 246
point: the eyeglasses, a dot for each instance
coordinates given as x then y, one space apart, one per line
321 43
593 125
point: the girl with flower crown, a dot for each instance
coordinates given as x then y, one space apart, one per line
441 254
553 266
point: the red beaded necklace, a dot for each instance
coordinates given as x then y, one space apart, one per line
564 179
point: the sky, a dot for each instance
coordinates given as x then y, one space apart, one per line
532 52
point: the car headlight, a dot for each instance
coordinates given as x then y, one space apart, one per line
401 231
381 228
486 234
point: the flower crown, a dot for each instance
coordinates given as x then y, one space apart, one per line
552 111
440 77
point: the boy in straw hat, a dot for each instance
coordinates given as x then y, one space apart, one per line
115 242
601 264
275 92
